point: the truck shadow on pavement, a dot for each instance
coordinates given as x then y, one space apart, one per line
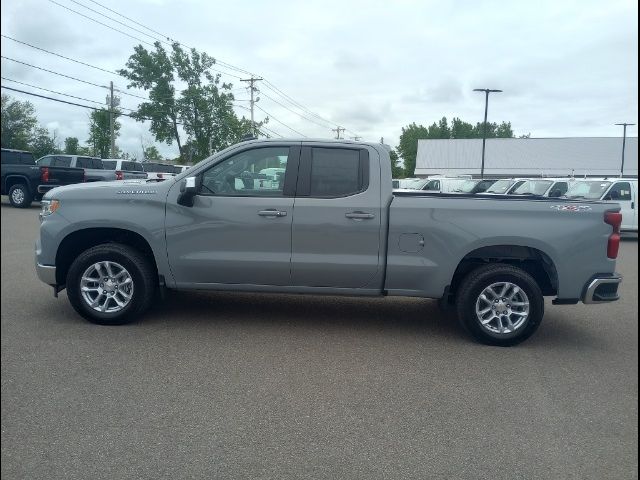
392 316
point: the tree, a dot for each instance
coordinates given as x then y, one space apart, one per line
151 153
42 143
204 108
397 170
99 131
18 123
71 145
408 147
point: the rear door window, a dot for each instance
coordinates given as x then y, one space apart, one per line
62 161
337 172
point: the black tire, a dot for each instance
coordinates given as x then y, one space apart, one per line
20 196
474 285
141 271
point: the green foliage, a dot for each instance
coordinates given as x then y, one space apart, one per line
99 132
71 145
397 170
18 123
42 143
151 153
204 107
408 147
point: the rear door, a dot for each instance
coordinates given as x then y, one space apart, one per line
336 218
622 193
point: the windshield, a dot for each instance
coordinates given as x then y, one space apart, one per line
109 164
501 186
533 187
591 190
467 186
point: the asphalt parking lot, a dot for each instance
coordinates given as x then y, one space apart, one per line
224 385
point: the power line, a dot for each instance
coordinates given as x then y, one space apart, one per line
100 23
52 91
75 104
292 111
221 63
51 71
281 123
119 22
59 55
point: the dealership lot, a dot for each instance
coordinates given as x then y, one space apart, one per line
280 386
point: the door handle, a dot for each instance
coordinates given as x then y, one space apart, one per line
359 215
272 213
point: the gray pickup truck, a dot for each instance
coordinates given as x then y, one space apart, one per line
330 225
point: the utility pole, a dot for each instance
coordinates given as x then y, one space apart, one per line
487 91
338 129
624 141
252 88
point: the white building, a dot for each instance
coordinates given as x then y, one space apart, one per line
528 157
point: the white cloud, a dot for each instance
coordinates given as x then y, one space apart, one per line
566 68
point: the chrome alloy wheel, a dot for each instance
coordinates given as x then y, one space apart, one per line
17 196
502 308
107 287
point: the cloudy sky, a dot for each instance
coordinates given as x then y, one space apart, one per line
567 68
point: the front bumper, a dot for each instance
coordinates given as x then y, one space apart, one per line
46 273
602 289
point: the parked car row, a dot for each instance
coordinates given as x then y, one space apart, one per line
621 190
25 179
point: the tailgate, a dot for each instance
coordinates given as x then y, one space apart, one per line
62 175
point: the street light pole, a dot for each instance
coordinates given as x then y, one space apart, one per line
624 141
487 91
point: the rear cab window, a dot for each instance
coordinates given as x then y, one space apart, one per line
109 164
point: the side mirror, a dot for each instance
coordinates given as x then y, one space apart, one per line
555 194
188 190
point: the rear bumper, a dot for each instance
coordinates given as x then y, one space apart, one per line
46 188
602 289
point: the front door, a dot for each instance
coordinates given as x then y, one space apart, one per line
622 193
239 228
337 218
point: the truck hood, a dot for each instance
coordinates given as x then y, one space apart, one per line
132 186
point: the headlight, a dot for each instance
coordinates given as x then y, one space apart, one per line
48 207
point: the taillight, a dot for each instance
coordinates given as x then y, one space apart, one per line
119 175
613 245
84 176
44 174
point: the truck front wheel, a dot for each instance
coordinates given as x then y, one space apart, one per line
500 305
111 284
20 196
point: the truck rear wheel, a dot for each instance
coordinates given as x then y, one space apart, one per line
20 196
500 305
111 284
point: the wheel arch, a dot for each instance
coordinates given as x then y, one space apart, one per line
532 260
78 241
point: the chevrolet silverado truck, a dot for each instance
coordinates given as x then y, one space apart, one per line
330 225
94 170
24 181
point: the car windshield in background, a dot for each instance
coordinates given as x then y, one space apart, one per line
109 164
467 186
501 186
591 190
158 167
533 187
